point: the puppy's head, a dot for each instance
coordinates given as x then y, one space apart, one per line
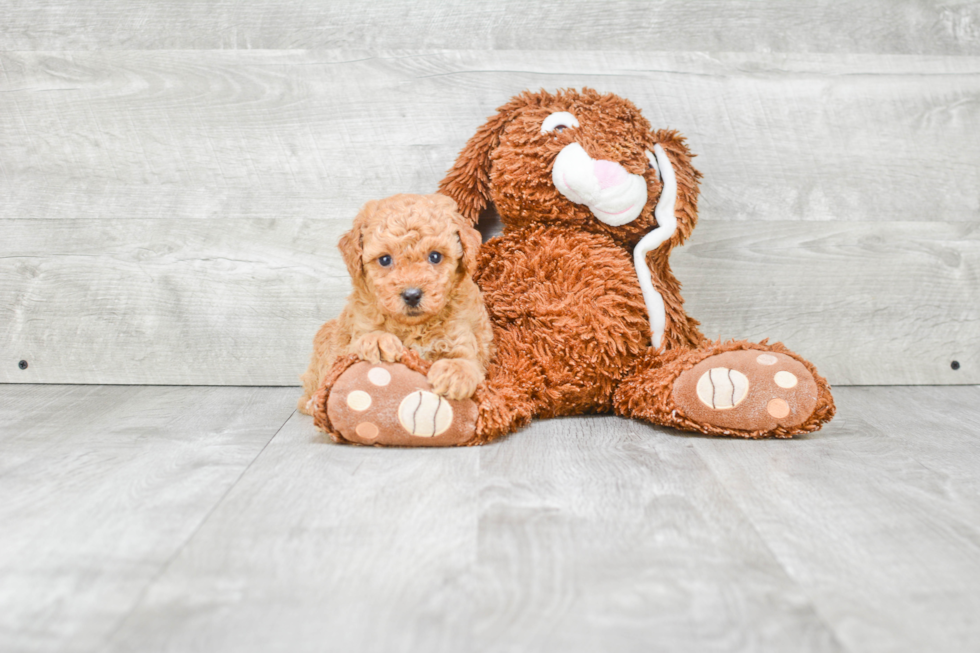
576 158
408 253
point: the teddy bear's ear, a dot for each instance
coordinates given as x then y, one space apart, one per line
688 180
351 243
468 181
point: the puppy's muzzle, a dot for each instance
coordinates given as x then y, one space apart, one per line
412 297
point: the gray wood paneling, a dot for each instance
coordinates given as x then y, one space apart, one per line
872 26
309 134
166 301
157 519
101 486
323 547
170 216
884 503
238 301
870 303
600 534
577 535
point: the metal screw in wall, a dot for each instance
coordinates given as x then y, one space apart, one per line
22 365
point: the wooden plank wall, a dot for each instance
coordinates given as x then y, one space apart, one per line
173 178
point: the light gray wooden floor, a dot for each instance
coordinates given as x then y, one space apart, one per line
217 519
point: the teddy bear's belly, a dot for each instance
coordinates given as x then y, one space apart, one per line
569 302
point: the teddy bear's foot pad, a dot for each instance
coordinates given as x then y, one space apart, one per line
748 390
389 404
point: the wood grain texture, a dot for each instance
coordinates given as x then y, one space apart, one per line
232 302
101 486
238 301
308 134
878 26
881 504
602 534
170 217
323 547
153 519
869 303
578 535
953 415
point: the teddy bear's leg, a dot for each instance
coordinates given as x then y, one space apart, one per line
739 389
509 397
392 404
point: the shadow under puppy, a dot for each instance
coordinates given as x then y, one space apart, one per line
410 259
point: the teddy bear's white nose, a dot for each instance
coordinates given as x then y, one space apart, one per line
614 196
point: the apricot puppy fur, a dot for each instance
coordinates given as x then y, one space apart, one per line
410 259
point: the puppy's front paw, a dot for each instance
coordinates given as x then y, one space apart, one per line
455 378
379 346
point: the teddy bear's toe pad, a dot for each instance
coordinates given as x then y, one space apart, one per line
388 404
748 390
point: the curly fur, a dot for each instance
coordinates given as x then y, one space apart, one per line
508 163
570 325
449 326
569 320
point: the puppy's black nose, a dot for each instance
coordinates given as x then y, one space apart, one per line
412 296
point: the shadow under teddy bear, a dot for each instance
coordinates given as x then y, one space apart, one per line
587 315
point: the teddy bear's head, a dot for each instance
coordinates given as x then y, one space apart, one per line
577 158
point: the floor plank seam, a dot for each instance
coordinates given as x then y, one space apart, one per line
810 600
166 565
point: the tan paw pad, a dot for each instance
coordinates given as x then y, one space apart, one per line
721 388
367 430
778 408
359 400
379 376
425 414
785 379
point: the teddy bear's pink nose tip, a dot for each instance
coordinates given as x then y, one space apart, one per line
609 173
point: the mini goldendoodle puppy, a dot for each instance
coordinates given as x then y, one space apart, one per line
410 259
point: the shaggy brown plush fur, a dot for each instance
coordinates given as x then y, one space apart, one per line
569 320
571 328
508 163
448 325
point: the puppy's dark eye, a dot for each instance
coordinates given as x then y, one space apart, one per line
384 260
435 257
560 128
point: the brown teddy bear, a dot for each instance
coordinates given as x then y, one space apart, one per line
587 315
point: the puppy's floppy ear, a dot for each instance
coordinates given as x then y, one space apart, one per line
468 181
469 238
351 249
351 243
471 241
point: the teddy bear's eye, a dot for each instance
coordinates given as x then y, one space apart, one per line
384 260
435 257
558 122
